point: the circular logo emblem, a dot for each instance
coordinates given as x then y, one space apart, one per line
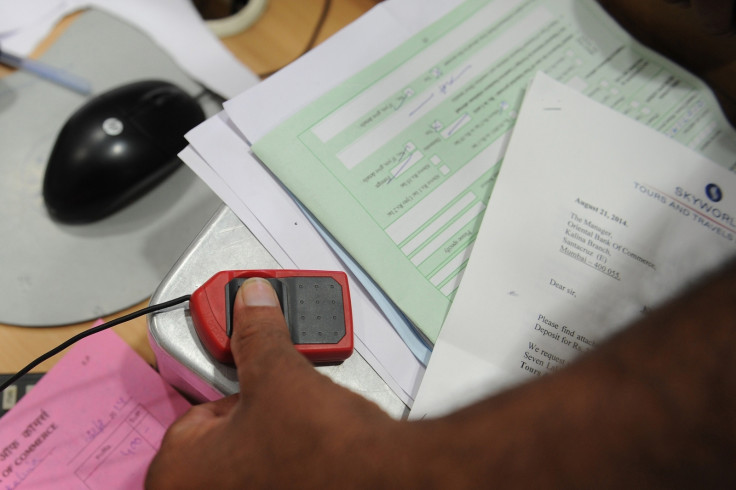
112 126
713 192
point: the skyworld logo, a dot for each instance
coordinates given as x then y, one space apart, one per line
705 205
713 192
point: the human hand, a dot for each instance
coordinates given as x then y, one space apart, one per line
632 403
716 16
288 425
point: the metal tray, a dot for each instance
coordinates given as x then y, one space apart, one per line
224 244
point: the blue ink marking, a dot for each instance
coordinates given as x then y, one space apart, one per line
29 468
132 447
713 192
403 153
401 102
443 89
120 403
453 79
402 166
98 427
457 125
421 104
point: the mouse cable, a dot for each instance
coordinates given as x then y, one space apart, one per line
91 331
312 40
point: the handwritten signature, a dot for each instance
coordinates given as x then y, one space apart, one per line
29 468
98 425
453 79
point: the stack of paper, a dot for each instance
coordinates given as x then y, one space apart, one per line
392 133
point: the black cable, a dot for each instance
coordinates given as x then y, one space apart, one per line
91 331
318 26
312 40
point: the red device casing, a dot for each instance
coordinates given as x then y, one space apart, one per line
208 310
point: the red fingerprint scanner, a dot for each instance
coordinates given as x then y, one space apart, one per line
316 305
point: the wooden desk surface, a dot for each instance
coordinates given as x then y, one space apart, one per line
281 35
275 40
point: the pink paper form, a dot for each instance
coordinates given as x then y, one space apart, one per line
94 421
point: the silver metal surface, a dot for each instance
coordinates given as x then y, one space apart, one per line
226 244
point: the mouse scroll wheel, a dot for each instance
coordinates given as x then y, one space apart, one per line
155 102
160 98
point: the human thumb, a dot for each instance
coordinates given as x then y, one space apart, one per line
260 342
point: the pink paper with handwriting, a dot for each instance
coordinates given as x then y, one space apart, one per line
93 422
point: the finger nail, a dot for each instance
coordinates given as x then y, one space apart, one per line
256 291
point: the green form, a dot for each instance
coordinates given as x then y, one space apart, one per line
398 162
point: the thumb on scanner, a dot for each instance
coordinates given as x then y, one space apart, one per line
260 341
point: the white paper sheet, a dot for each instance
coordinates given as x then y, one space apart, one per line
595 219
173 24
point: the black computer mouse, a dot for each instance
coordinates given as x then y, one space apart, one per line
115 148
